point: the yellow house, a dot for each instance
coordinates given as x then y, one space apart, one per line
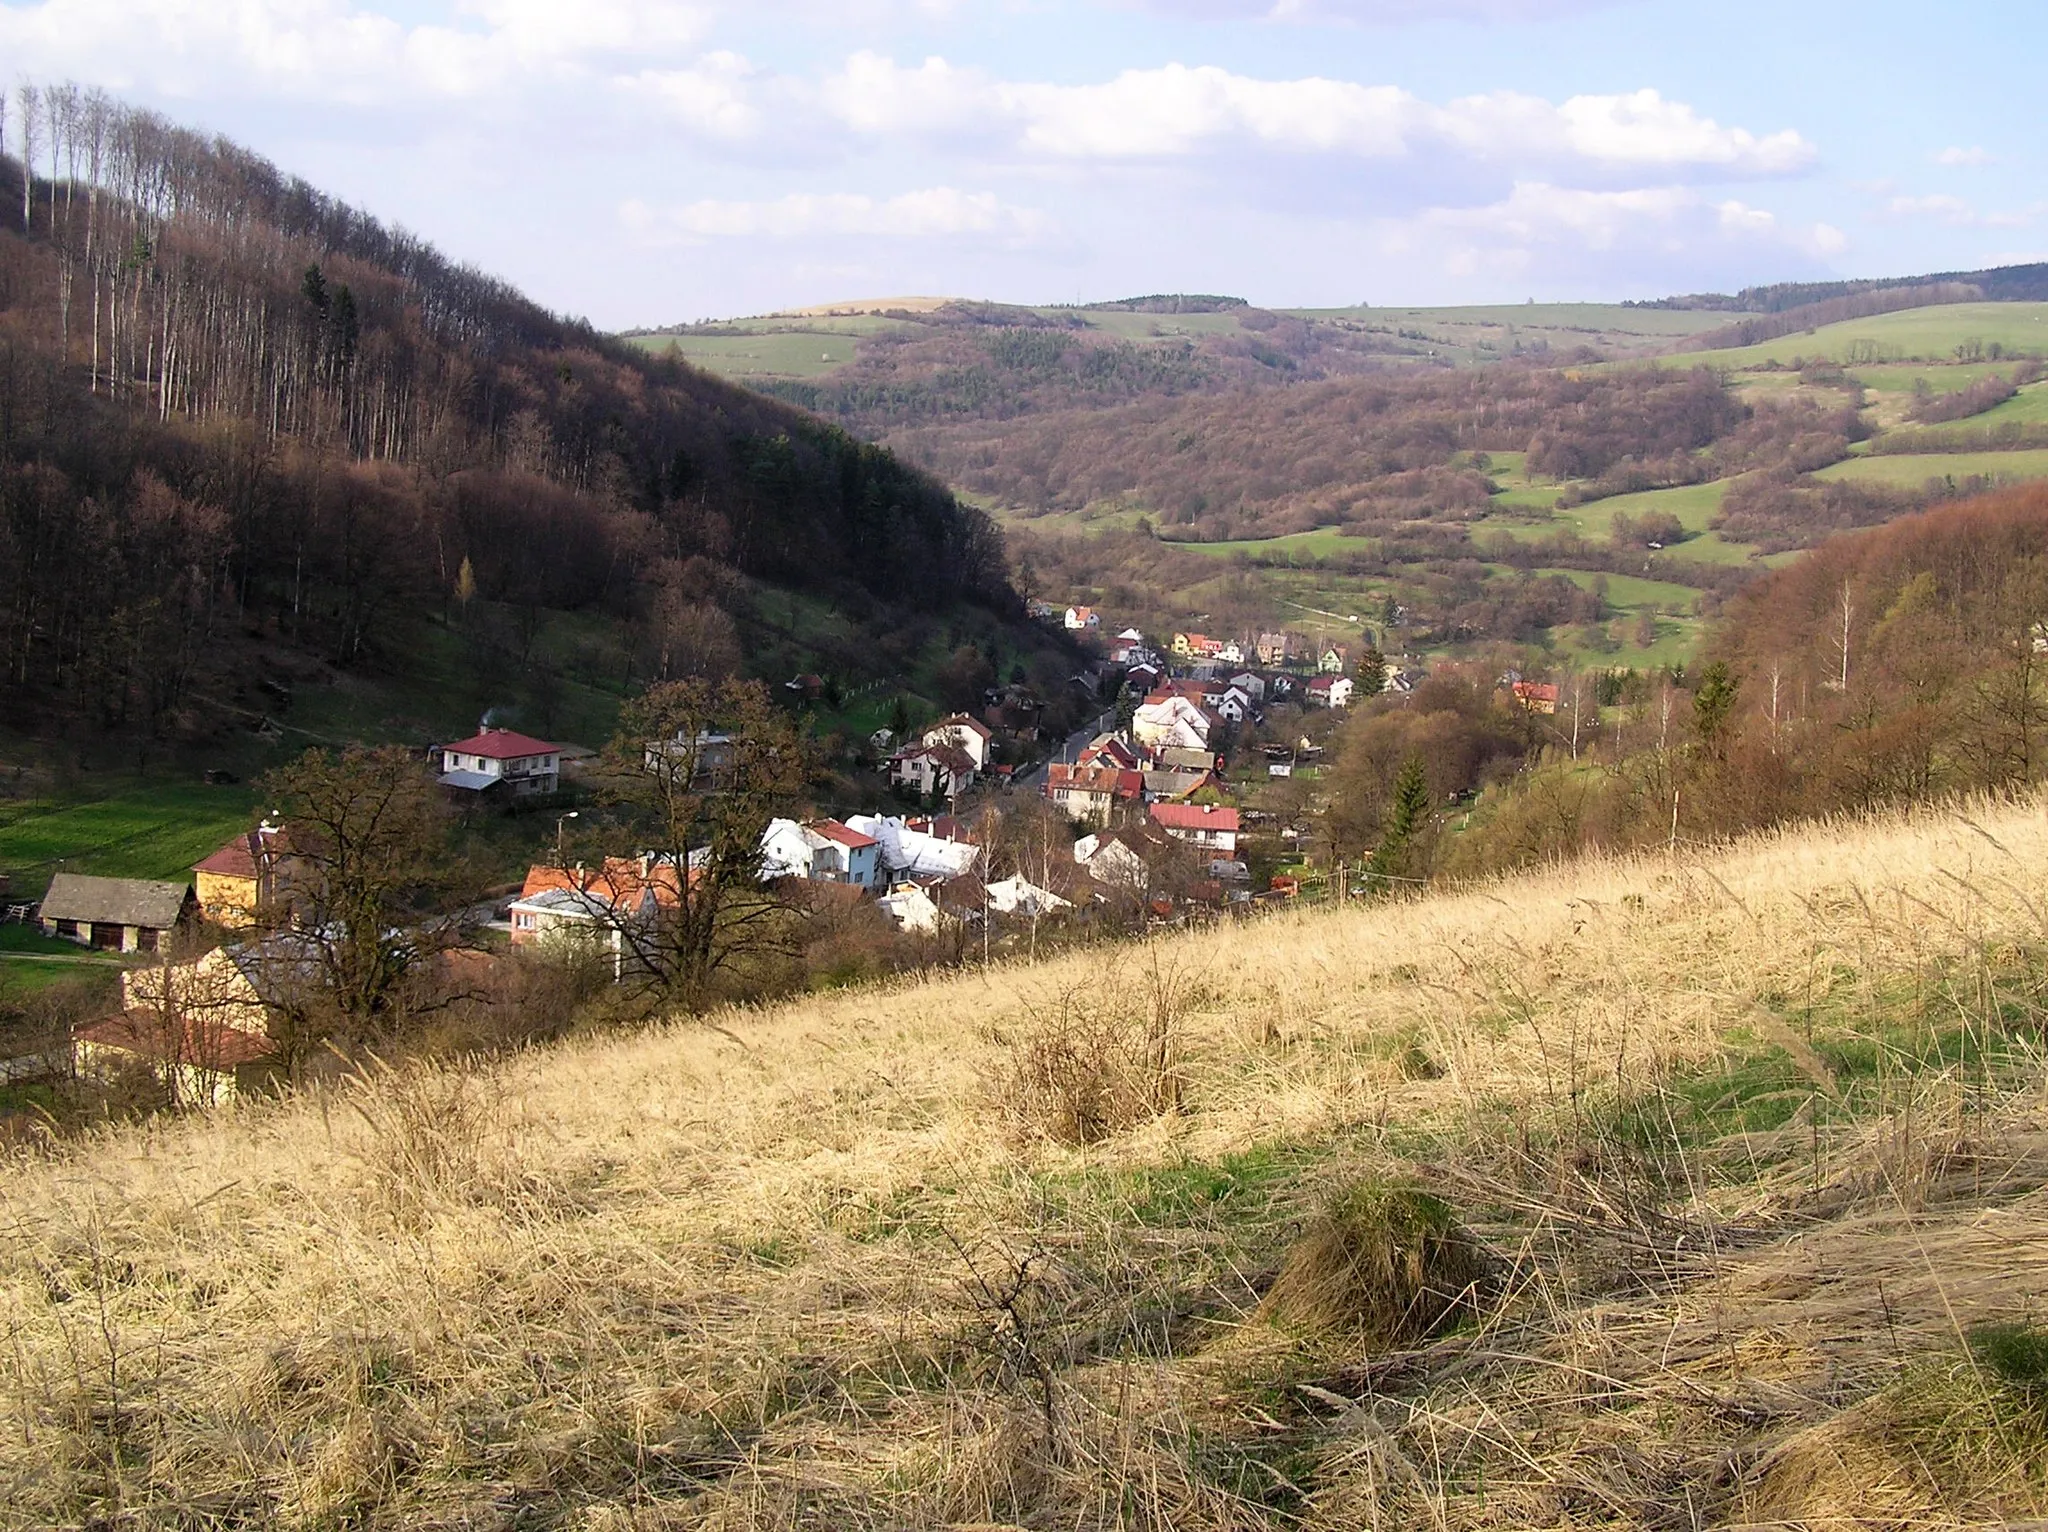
242 878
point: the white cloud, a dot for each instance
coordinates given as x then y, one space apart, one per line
718 95
1180 110
1959 156
1940 207
332 50
938 212
1541 228
1384 12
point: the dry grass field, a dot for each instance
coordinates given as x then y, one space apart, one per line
1688 1194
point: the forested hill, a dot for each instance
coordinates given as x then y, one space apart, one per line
233 406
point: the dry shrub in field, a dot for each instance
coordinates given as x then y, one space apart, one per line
1385 1264
1101 1056
429 1127
1958 1444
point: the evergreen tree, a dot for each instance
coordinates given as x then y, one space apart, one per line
1408 817
1372 672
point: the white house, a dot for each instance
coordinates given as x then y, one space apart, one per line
502 757
1014 896
1332 661
824 851
1205 825
912 909
908 853
1172 723
1083 618
969 735
1251 684
1230 703
1330 691
1232 653
940 770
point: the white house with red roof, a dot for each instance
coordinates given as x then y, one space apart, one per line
824 851
1330 691
505 758
968 735
1199 824
1082 618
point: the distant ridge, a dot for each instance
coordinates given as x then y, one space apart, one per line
1167 303
1996 284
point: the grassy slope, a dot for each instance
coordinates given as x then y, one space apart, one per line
1912 469
1927 334
1753 1137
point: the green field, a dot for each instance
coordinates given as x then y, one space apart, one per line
136 828
1910 470
1632 593
2028 407
780 354
1924 334
1323 542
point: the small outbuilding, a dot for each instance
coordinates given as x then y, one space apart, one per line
115 914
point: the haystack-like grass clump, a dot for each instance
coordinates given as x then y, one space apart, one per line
1385 1265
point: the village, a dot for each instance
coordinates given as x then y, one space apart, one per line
1155 814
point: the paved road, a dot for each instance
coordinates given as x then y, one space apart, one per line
1034 780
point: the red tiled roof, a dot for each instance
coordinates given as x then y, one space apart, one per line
845 835
503 745
1194 816
234 860
185 1040
1537 691
619 881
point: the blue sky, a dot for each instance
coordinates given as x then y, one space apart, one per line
641 161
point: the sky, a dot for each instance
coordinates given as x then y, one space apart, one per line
644 162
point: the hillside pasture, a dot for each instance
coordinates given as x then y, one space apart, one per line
1929 334
135 828
1910 470
1743 1148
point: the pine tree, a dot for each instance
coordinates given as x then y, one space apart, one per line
1408 817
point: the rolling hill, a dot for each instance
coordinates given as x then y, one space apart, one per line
1710 1181
309 471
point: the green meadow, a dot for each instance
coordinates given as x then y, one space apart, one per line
1923 334
1910 470
126 828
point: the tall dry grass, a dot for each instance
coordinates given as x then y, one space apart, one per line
802 1268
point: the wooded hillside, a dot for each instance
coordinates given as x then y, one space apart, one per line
232 407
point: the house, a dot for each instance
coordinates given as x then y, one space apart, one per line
1330 691
913 910
115 914
823 851
1251 684
1274 649
1228 702
1173 722
1186 760
1536 696
1333 660
932 770
808 686
1231 652
1280 686
710 757
1401 680
1187 645
1089 794
594 907
1171 786
1040 609
1143 677
907 852
1082 619
200 1062
1015 896
1109 750
1204 825
965 734
242 878
501 758
1126 861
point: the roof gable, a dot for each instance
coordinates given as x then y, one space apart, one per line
115 901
